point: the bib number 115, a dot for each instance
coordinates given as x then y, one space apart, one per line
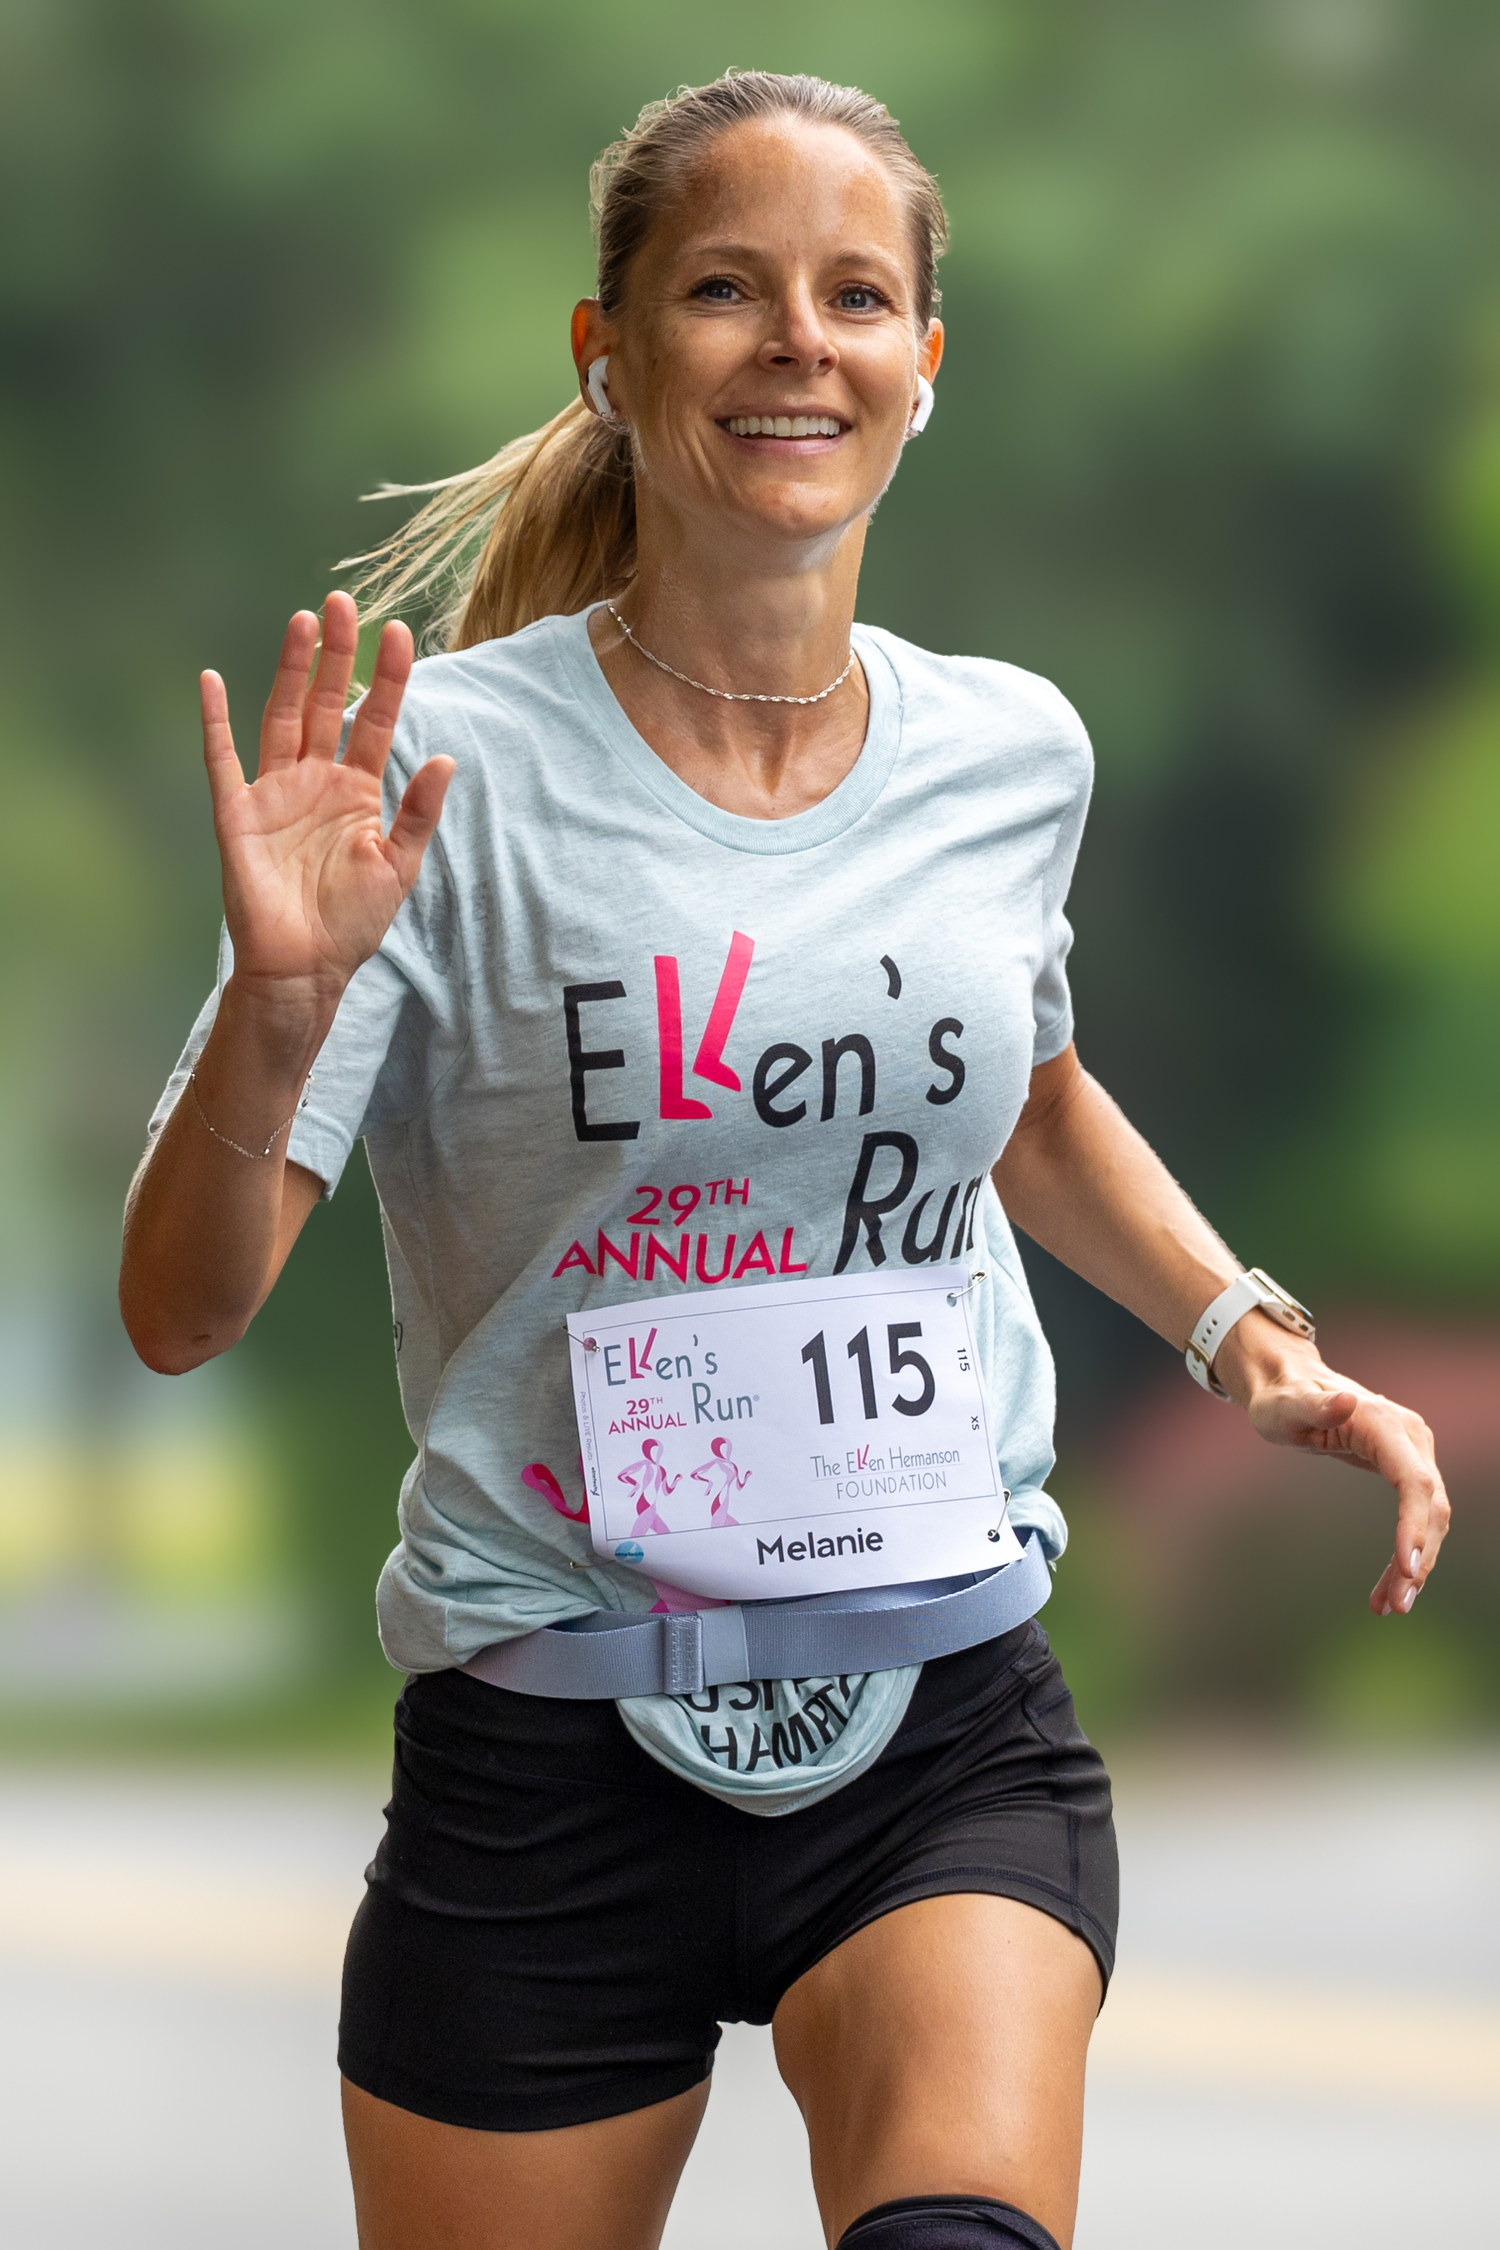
815 1356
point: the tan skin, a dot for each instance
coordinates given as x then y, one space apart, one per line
941 2049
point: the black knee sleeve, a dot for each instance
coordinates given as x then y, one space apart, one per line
946 2222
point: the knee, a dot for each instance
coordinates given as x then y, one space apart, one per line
946 2222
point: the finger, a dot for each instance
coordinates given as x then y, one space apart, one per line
411 830
375 720
224 775
1421 1520
281 724
1395 1590
1381 1591
327 698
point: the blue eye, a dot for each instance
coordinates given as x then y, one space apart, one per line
718 290
870 299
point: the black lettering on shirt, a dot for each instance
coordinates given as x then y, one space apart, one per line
789 1742
953 1064
915 1252
576 996
863 1210
966 1212
853 1043
764 1088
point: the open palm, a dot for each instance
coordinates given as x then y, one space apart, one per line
311 883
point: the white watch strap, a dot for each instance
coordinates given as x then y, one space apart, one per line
1244 1293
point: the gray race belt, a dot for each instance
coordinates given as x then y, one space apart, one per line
871 1629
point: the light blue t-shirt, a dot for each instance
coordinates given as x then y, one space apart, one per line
618 1042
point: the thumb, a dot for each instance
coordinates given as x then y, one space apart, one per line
1328 1413
411 830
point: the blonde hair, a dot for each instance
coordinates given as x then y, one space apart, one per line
547 525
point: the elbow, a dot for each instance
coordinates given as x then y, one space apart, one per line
165 1350
167 1359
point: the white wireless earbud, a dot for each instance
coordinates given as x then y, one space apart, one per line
598 377
923 412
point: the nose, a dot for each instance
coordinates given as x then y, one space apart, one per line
799 338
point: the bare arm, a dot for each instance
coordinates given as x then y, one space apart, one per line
206 1233
1077 1176
310 887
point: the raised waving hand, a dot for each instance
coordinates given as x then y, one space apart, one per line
311 884
311 881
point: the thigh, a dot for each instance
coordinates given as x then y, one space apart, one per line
608 2185
940 2051
547 1938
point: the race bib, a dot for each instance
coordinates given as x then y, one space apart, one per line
796 1437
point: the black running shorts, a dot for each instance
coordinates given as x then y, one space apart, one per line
556 1926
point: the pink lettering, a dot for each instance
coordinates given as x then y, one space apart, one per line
709 1061
657 1249
723 1272
757 1255
577 1256
606 1249
674 1103
786 1265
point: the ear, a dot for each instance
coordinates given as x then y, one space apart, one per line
595 336
929 359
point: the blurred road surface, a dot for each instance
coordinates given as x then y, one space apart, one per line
1302 2044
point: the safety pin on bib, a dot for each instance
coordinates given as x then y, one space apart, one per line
955 1294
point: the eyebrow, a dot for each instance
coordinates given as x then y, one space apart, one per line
850 253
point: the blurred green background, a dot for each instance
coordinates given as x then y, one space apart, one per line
1217 448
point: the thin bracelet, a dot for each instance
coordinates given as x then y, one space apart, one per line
255 1156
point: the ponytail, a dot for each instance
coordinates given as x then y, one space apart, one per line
548 526
551 515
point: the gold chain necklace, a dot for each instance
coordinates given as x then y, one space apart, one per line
724 694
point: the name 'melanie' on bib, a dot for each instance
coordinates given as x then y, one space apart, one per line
796 1437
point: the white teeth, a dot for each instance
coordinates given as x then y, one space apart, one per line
784 425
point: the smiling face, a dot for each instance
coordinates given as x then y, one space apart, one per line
767 352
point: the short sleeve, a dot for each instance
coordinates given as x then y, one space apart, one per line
370 1070
1052 1002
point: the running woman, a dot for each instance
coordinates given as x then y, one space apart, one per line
719 1477
741 911
648 1482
